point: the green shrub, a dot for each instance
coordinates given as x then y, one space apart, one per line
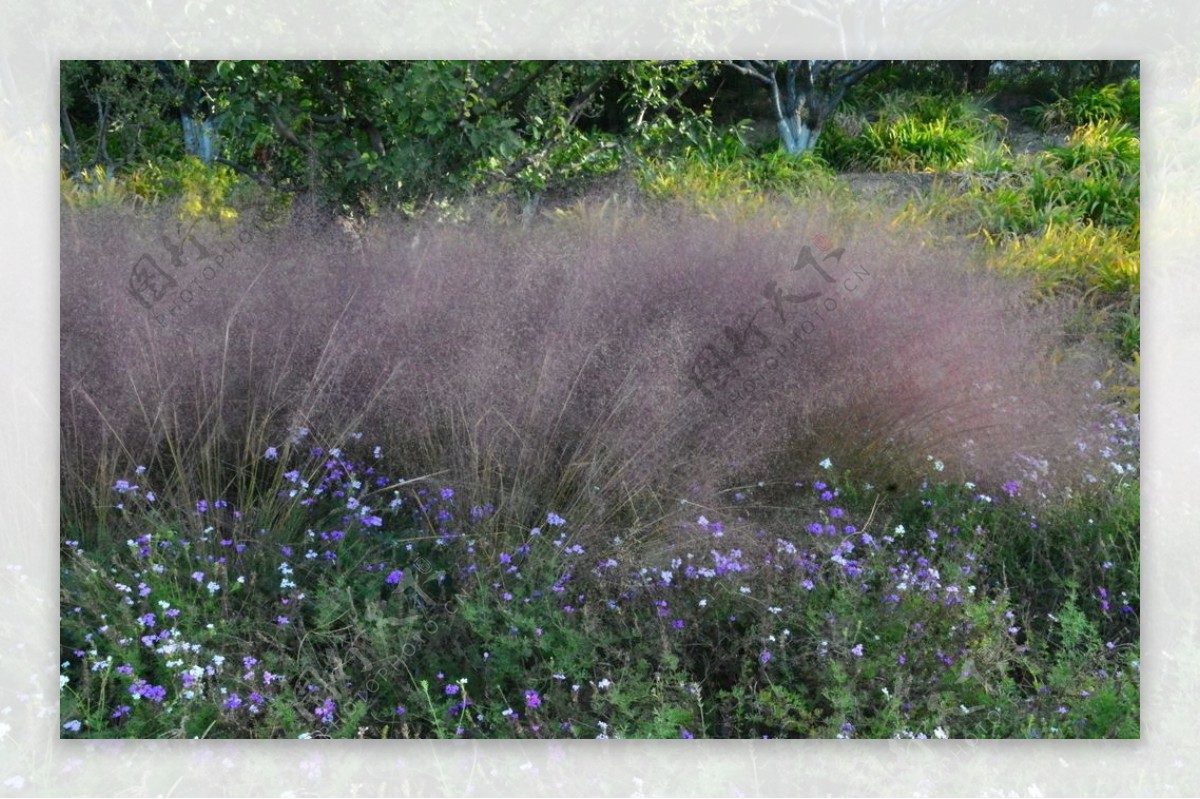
1074 257
1117 103
908 132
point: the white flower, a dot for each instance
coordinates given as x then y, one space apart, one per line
604 683
826 464
938 465
703 603
940 733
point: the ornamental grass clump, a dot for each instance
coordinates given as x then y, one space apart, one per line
605 370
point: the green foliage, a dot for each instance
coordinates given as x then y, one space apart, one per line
373 135
1114 103
715 171
117 114
203 191
94 188
909 133
380 134
1074 257
930 646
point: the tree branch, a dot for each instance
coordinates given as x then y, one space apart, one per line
72 145
581 100
286 133
520 88
751 71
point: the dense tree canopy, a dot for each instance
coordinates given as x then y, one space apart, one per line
367 135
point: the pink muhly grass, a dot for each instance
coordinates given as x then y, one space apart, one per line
546 368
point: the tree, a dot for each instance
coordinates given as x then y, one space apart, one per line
111 114
809 92
390 133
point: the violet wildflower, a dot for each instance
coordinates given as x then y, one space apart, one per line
532 699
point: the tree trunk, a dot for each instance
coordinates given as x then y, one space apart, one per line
810 92
200 138
797 134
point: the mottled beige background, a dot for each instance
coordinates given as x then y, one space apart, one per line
35 35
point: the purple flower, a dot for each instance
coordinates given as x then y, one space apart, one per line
202 506
764 657
325 711
686 734
857 651
447 493
532 699
1012 488
554 520
401 710
271 454
395 577
451 689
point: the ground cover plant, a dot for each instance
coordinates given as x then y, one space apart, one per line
627 481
